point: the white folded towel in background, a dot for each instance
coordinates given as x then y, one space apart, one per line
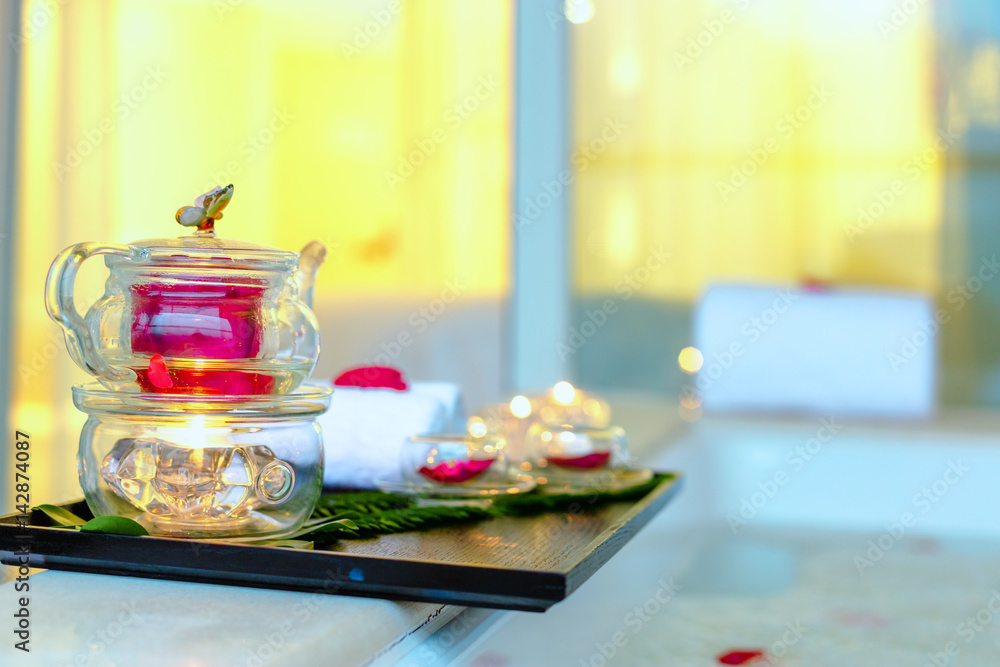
836 352
364 428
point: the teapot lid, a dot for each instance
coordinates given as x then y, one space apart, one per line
205 249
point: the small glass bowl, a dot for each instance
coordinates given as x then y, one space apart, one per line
446 459
448 467
502 421
572 456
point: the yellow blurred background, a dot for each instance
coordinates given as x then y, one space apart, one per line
756 130
378 128
748 139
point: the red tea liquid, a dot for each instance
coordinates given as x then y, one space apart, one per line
195 320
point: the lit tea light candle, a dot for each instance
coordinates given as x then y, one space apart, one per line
509 421
562 404
565 404
520 407
564 393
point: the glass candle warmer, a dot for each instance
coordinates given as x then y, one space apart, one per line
453 460
203 466
508 421
563 404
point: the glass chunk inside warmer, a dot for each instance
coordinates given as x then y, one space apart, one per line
171 481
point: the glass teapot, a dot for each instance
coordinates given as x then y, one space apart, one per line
193 315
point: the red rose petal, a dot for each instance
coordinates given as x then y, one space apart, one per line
740 657
594 460
456 472
815 285
382 377
158 374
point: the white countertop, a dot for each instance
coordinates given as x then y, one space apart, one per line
82 619
85 619
98 620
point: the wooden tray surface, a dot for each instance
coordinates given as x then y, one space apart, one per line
525 563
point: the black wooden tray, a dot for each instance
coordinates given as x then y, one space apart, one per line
525 563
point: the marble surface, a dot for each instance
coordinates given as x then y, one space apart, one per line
104 621
823 573
795 595
732 591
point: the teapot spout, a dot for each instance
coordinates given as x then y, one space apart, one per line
310 259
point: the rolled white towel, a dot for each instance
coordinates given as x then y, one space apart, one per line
365 427
836 352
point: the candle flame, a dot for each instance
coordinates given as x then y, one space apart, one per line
477 427
520 407
563 392
690 360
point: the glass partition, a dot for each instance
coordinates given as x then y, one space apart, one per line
848 144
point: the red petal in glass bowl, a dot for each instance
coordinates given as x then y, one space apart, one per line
373 377
456 472
740 657
585 462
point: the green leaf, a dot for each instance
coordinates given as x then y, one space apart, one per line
370 513
113 525
287 544
330 526
538 501
361 502
61 516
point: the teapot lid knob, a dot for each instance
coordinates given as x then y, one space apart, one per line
206 210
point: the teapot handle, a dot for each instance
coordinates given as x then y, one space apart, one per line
59 304
312 256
